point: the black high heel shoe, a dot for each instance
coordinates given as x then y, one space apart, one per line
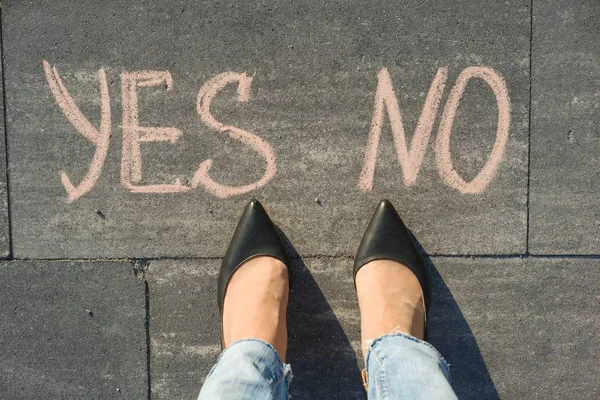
387 238
254 236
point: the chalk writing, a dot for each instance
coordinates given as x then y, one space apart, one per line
99 138
205 96
442 145
133 133
410 157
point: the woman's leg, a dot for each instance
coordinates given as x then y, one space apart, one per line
248 369
255 335
400 365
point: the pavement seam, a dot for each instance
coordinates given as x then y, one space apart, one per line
4 107
527 222
147 327
140 270
308 257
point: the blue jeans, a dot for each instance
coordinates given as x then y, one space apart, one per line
399 366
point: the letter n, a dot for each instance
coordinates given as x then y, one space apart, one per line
410 159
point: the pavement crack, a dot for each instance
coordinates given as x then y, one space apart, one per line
140 267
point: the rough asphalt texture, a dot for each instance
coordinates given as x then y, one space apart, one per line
316 69
565 133
113 295
72 330
510 329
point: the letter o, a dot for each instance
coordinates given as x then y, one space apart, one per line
442 145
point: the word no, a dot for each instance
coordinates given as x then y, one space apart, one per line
409 157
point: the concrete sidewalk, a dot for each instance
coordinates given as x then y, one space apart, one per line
135 131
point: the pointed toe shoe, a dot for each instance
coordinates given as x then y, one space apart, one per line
387 238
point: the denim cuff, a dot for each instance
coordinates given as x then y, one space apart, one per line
387 345
257 349
247 369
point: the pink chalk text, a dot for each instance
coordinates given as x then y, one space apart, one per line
205 96
410 156
99 138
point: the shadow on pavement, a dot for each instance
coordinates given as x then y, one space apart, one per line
325 364
451 335
323 360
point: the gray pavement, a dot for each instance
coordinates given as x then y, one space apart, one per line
486 140
4 225
312 98
72 330
565 138
510 328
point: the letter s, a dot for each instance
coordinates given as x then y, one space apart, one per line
205 96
